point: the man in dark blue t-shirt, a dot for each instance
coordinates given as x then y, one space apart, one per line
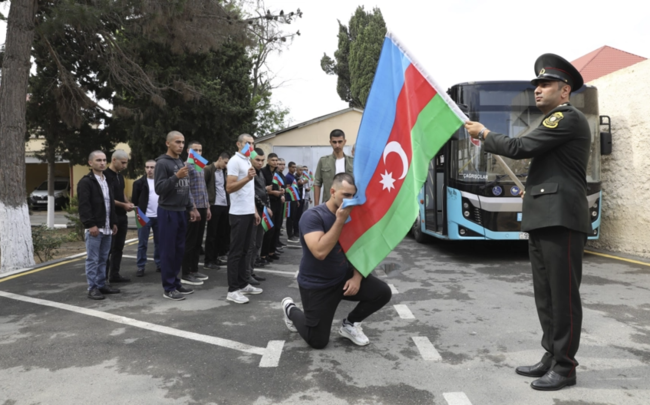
326 277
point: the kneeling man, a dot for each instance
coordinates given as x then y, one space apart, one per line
326 277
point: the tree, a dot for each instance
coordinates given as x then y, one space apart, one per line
355 60
107 35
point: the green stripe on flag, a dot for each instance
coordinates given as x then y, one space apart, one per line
436 123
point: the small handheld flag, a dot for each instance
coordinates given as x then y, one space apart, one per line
247 150
266 220
293 193
311 176
197 160
253 155
278 180
287 209
140 219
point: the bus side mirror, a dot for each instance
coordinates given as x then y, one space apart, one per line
606 136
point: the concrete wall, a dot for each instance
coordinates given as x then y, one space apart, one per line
623 95
318 134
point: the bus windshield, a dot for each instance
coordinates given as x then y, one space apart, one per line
509 108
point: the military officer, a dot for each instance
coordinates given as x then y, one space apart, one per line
555 214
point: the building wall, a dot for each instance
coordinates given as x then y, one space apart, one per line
623 95
318 134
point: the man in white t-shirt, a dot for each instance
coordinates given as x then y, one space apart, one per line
145 197
243 219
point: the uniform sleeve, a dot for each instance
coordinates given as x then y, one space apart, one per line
549 135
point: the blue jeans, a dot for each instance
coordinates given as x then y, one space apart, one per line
97 250
143 242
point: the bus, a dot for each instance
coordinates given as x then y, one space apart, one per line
468 195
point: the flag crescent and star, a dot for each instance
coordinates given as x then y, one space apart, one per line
387 178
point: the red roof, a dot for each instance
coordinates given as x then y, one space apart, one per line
604 61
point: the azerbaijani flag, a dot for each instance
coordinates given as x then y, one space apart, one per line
266 220
253 155
140 219
407 119
247 150
293 193
287 209
311 175
197 160
278 180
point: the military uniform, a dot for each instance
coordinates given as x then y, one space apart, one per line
556 216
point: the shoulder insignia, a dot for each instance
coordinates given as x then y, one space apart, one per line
553 121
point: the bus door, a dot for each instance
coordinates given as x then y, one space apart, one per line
433 194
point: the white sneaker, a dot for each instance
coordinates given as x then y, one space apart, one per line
286 302
249 289
354 333
237 297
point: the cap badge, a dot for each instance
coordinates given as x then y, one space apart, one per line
541 72
553 121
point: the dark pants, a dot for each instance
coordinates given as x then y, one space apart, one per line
315 323
290 220
213 240
254 249
295 219
556 258
277 225
241 235
172 227
193 241
117 247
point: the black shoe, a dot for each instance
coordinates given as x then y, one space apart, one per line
119 279
252 281
158 270
552 381
210 266
173 295
109 290
199 276
258 264
184 290
95 294
537 370
279 250
258 278
190 279
274 257
140 272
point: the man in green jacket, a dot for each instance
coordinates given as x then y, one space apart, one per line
555 214
331 165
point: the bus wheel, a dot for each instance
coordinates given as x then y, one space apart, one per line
418 235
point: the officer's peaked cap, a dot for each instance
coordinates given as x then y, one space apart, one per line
554 67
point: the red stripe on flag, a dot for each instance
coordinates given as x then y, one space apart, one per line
414 96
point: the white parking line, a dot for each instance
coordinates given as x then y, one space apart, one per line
427 351
404 312
270 354
456 398
284 273
393 289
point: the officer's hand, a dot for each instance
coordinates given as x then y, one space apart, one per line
94 231
182 173
473 128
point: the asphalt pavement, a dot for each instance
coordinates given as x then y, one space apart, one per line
461 318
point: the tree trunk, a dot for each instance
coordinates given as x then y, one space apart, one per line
51 169
16 246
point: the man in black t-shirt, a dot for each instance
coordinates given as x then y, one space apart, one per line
119 161
326 277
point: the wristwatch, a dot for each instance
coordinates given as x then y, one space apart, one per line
481 135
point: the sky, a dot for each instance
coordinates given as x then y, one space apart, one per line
455 40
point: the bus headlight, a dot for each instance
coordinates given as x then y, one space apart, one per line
466 214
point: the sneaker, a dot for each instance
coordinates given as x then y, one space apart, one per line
287 304
354 333
210 266
237 297
191 280
223 259
200 276
173 295
279 250
185 291
249 289
140 272
293 239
